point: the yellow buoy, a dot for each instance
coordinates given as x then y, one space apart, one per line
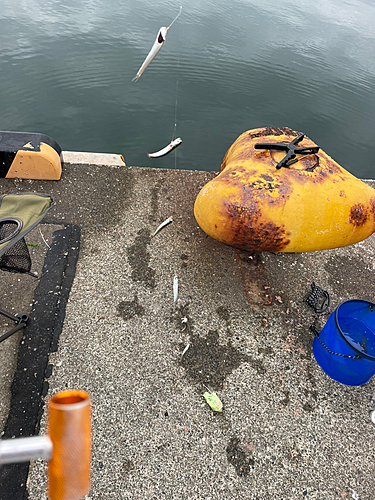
310 203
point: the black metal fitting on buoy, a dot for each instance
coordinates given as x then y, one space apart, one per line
290 148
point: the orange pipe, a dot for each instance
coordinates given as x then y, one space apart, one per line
69 428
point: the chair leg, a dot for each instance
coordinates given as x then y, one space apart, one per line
8 315
20 320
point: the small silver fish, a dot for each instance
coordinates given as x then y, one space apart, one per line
160 39
163 224
158 44
175 289
183 352
171 146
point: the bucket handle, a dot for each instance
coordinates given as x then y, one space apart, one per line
316 333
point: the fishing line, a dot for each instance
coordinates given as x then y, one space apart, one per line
175 18
153 52
175 279
175 106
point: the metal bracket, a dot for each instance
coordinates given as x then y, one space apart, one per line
291 150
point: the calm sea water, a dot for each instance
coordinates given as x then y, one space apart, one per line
66 69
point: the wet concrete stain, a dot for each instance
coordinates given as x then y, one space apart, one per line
224 315
310 377
313 393
304 341
127 466
130 308
182 319
154 200
239 458
209 362
128 180
184 259
163 447
265 350
284 402
139 259
308 407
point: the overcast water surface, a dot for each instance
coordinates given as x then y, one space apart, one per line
66 70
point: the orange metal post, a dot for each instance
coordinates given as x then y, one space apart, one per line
69 428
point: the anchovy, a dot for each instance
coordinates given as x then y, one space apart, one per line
173 145
175 288
163 224
160 39
183 352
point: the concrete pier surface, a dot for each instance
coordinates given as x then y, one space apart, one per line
109 326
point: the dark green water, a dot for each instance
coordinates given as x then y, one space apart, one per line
66 69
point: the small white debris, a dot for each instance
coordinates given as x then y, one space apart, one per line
175 289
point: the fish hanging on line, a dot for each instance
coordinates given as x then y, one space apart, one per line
158 44
171 146
160 39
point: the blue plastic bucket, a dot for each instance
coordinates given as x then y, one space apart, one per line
345 348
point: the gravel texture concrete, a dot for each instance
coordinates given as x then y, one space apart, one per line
287 430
